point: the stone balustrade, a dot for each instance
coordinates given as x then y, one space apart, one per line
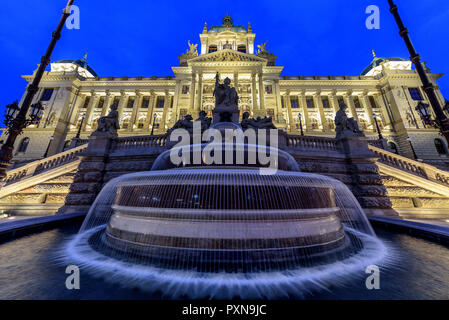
139 142
39 166
312 143
418 168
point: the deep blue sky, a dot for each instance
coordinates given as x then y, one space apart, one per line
144 38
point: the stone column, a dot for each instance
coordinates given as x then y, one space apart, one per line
122 104
192 93
305 110
150 110
163 126
369 110
288 103
277 92
351 105
236 81
333 101
107 103
136 108
261 92
199 96
254 93
178 89
319 104
89 111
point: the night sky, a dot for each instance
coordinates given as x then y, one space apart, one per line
145 38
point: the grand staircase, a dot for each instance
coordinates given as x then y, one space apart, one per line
40 187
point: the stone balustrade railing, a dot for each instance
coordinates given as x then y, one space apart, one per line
39 166
139 142
312 143
418 168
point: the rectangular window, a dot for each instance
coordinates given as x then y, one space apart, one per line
145 102
241 49
326 104
341 101
415 94
160 102
212 49
46 96
270 112
310 103
101 103
372 101
269 89
131 101
185 89
86 102
294 103
116 101
357 103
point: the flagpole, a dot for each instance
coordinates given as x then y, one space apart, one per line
19 122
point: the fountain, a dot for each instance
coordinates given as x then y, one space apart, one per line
227 230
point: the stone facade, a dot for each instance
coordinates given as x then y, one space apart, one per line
388 88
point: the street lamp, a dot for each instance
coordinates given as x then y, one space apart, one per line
300 123
48 147
11 121
375 116
154 123
425 115
81 126
441 121
19 122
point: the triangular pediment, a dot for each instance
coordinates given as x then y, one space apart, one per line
227 55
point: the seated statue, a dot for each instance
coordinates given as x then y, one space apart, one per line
226 102
205 121
345 126
186 123
259 123
109 124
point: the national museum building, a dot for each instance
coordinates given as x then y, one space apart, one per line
75 97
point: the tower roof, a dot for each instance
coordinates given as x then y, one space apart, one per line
227 25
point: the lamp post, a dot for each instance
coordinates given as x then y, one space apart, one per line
154 122
375 116
48 147
300 123
20 121
81 126
441 121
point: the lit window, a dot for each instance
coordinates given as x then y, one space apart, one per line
160 103
241 49
326 103
141 123
212 49
294 103
145 102
357 103
415 94
310 103
185 89
131 101
125 124
46 96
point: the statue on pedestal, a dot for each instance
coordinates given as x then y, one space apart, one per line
226 102
344 126
186 123
259 123
109 124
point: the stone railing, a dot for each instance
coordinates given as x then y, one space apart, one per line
423 170
312 143
39 166
139 142
376 143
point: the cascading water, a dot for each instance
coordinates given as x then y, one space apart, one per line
225 232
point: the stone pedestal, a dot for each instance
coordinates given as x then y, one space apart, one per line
226 114
88 180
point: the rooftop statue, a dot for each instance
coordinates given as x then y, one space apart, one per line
205 121
192 49
109 124
262 47
344 126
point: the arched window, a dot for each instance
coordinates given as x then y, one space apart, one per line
23 145
439 145
330 123
141 123
125 123
314 124
393 147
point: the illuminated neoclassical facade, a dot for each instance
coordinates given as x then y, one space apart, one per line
388 88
